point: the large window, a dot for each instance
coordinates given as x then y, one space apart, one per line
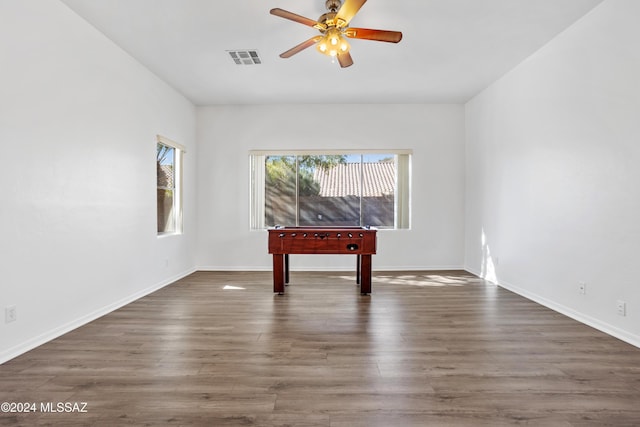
169 186
341 188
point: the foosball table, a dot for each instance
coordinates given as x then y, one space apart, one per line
359 241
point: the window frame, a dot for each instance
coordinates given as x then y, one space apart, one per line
257 179
177 208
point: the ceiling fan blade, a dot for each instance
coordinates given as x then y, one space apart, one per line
300 47
348 11
377 35
345 59
294 17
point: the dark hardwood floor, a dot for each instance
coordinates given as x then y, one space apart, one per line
425 349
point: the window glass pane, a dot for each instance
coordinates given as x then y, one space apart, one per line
280 190
166 183
166 222
165 166
379 182
329 190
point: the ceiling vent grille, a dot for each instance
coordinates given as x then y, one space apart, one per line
245 57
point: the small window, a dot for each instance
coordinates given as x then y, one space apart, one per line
169 186
341 188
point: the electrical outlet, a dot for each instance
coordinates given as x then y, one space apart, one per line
582 288
621 308
10 314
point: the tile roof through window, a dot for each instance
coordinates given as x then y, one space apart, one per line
344 179
165 176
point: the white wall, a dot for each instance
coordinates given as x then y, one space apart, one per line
78 122
435 133
553 155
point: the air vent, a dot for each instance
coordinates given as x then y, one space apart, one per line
245 57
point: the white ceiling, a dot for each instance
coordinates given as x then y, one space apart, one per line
451 49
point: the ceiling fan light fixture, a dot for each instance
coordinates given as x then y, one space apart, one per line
332 43
344 46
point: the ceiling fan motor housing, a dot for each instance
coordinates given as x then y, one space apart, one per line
327 20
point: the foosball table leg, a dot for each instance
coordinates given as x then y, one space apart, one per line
365 272
278 273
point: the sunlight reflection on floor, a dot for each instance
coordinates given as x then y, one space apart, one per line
422 279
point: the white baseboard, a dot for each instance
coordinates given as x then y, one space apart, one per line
333 268
232 268
420 268
569 312
37 341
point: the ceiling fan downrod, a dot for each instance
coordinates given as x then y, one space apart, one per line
333 5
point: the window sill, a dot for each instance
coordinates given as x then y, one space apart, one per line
165 235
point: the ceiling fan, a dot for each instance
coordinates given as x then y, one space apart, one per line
334 27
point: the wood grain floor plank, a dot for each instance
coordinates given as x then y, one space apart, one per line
426 348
